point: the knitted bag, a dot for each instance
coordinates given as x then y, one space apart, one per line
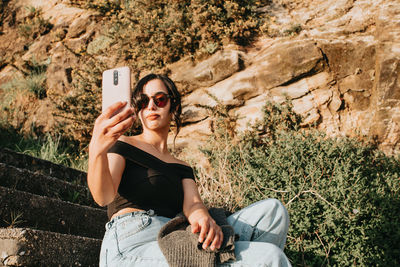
182 249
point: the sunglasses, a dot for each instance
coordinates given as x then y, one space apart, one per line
160 99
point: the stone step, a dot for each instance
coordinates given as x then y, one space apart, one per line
42 166
29 247
39 184
24 209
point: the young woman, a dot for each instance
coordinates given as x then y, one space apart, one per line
144 186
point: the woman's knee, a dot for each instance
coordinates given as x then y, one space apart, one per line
274 207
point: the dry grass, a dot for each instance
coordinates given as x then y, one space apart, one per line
219 187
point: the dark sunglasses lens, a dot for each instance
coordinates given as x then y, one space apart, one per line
161 100
143 101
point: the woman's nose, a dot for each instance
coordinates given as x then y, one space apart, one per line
152 105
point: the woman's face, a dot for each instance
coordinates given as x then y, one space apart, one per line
152 116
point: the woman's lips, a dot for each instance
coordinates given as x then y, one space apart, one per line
152 117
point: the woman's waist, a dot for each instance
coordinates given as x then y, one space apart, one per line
131 216
125 211
121 206
137 220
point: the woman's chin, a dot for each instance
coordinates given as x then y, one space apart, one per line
154 125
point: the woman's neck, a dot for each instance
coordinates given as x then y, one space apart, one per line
157 140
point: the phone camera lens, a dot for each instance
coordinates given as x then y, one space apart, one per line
115 77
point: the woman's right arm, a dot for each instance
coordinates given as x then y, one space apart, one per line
105 171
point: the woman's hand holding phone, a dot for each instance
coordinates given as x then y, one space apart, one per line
116 118
116 115
107 128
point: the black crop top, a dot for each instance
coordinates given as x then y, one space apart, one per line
148 182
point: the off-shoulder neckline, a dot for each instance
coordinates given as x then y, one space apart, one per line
152 156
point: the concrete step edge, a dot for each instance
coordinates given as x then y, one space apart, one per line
43 185
45 167
24 209
30 247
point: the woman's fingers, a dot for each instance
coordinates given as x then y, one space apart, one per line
120 116
210 233
121 127
217 242
105 117
210 237
204 228
195 227
113 108
106 130
214 237
118 124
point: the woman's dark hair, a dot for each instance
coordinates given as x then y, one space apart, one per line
176 108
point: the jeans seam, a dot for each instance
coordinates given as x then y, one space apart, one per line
117 243
140 228
140 258
106 257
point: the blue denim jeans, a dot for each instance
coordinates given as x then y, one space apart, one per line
131 239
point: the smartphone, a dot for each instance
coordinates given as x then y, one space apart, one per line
116 86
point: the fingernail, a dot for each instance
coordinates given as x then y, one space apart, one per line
212 247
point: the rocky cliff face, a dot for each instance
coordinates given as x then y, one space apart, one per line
339 62
341 71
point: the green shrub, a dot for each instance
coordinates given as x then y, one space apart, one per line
35 79
52 148
342 195
34 25
293 30
10 92
151 34
18 96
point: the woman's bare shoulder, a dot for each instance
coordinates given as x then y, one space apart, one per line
138 142
181 162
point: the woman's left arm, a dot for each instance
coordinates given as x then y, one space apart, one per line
199 218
